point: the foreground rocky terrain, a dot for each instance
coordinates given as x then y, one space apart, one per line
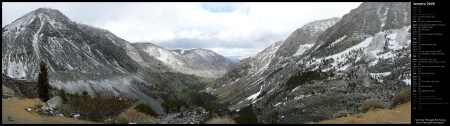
13 112
398 115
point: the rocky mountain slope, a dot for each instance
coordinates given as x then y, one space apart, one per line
250 73
200 62
84 58
326 66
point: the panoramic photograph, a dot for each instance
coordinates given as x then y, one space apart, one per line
206 63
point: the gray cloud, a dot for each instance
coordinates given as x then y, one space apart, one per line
227 28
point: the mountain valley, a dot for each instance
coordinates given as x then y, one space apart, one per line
323 68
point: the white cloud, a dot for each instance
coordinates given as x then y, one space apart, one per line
228 28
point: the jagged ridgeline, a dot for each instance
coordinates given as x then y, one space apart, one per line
85 58
326 66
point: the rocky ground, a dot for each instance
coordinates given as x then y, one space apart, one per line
195 116
13 112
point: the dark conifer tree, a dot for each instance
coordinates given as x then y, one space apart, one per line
43 85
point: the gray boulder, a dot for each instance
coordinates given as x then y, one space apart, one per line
55 101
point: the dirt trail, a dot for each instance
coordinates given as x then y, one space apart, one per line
15 108
398 115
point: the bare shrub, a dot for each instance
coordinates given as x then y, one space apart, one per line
131 115
98 108
401 97
372 104
147 109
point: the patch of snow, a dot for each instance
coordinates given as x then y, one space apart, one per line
233 81
338 40
16 69
317 47
378 55
303 48
376 75
392 36
132 52
36 38
362 44
166 56
344 67
386 55
68 66
76 116
251 97
393 44
70 42
373 63
279 103
295 89
327 69
407 81
302 96
380 74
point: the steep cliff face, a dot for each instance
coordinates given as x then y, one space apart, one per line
200 62
335 65
362 22
305 37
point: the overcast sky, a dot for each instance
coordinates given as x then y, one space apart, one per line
230 29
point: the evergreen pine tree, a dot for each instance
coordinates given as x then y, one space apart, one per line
43 85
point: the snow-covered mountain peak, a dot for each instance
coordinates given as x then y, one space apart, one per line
198 61
52 14
305 37
39 16
320 25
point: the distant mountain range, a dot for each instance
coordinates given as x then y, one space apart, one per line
235 59
200 62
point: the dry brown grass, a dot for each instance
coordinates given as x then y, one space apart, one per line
131 115
15 108
341 113
398 115
221 120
